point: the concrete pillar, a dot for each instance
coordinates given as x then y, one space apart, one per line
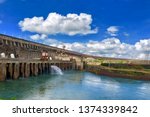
80 66
10 70
46 67
27 70
73 64
35 72
43 67
2 72
68 66
39 68
22 70
65 66
84 65
32 69
16 71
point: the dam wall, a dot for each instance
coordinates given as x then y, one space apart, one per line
23 69
24 58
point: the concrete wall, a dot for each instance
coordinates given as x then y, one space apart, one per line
17 70
29 53
30 50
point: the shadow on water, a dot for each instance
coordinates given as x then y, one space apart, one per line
74 85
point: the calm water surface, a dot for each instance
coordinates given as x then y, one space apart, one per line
75 85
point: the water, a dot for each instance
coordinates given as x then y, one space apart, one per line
56 70
75 85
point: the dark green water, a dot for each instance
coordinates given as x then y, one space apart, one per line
75 85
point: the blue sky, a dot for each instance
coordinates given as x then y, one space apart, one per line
125 20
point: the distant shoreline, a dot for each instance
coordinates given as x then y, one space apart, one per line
119 73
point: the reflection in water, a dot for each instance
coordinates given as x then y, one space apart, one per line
107 85
143 90
74 85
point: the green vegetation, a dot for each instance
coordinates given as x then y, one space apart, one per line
117 67
124 66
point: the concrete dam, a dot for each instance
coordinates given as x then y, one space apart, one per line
22 58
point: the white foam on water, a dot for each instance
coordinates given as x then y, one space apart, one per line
56 70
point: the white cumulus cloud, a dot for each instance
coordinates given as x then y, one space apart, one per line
112 30
142 48
71 24
110 47
38 36
143 45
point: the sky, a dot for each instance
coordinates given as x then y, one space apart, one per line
107 28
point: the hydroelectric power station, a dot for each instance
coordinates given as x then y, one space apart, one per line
22 58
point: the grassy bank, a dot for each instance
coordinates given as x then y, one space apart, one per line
120 68
124 73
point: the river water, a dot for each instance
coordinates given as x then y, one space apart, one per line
75 85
